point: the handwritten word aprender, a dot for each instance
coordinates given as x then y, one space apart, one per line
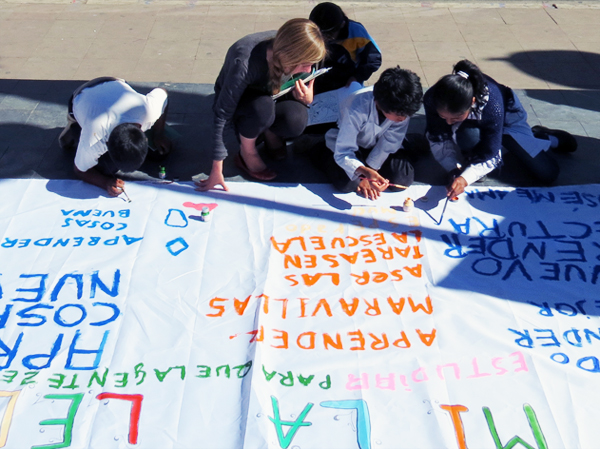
73 242
355 340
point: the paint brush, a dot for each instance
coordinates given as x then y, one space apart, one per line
398 186
126 199
443 210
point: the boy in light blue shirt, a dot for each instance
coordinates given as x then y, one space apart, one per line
367 144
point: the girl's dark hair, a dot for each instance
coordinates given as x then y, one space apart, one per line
454 93
329 17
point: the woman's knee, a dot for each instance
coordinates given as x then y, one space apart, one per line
255 115
291 118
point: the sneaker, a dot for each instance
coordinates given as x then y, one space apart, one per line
566 142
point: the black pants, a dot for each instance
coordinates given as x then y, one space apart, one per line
542 167
256 112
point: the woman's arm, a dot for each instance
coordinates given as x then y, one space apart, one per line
233 83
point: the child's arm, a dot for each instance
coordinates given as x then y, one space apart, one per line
346 144
113 186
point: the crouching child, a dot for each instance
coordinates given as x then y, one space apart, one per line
368 142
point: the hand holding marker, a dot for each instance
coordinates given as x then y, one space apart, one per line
126 199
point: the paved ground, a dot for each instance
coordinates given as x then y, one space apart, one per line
549 54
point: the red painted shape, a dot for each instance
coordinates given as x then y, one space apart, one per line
134 416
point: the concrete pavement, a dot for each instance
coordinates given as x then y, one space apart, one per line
549 54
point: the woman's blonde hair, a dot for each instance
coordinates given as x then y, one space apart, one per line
298 41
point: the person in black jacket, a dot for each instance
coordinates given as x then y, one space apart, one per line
352 53
255 68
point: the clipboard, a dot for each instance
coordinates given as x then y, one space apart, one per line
306 77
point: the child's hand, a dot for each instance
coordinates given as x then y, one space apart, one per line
371 184
368 189
456 187
373 176
115 186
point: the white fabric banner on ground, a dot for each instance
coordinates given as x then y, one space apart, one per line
298 318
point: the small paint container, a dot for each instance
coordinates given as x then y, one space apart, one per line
205 214
408 205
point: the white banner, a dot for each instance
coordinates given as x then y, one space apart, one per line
298 318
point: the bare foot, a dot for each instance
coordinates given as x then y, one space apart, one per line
253 161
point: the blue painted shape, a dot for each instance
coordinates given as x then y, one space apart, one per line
176 219
363 421
181 246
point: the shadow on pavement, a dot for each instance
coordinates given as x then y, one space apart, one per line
33 112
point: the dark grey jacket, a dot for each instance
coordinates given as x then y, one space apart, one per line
245 67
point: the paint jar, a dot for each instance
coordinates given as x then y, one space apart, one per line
408 205
162 172
205 214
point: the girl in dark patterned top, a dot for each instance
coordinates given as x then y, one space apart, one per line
352 53
471 118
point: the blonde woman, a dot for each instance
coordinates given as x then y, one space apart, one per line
254 69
